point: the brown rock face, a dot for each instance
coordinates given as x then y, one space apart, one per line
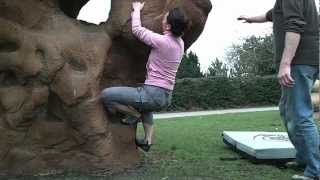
51 65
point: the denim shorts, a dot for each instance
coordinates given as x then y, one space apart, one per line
144 99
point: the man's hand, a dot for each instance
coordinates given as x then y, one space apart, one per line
137 6
253 19
291 44
284 75
245 19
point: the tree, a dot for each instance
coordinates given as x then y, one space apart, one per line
189 67
50 117
253 57
217 68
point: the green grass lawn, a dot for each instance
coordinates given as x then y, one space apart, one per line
191 148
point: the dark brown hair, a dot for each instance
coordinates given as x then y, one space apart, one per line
178 21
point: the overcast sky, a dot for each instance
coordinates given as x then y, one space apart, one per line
222 28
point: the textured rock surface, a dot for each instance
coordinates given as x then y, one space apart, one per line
51 65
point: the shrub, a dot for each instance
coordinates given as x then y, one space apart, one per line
224 92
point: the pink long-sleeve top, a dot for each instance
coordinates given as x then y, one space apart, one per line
165 56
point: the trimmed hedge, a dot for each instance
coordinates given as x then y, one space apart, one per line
224 92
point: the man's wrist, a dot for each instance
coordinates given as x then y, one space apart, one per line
285 63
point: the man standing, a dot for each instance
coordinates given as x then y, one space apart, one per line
296 40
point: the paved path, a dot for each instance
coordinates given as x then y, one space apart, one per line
205 113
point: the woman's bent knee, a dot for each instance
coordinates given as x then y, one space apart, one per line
108 94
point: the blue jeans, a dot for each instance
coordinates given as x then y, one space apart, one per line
297 113
145 99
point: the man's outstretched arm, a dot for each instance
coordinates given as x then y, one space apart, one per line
257 19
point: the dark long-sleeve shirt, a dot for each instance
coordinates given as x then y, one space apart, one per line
298 16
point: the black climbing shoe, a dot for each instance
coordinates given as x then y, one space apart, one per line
129 120
144 145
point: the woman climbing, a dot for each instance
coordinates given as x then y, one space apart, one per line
163 62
